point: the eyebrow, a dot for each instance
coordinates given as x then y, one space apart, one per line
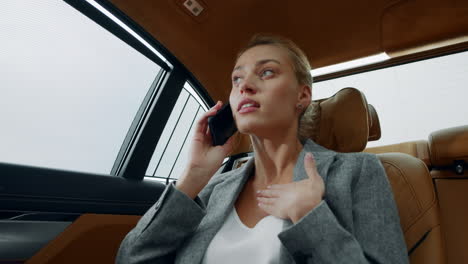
260 62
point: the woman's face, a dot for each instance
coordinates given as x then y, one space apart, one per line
265 91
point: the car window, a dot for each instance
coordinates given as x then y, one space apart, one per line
69 88
412 100
170 156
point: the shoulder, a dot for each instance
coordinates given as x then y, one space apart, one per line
365 170
357 167
354 158
357 158
359 163
347 165
311 146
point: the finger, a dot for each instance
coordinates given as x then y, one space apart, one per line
202 123
269 209
310 165
268 193
277 186
267 201
207 135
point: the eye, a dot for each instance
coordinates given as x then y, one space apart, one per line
236 79
267 73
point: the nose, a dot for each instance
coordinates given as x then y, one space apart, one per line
248 86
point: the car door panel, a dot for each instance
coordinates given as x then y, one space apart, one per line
21 239
49 216
92 238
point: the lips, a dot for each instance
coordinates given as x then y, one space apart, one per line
247 103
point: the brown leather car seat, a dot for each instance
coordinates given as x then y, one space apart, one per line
417 148
448 150
374 126
345 124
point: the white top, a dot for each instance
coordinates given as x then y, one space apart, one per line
237 243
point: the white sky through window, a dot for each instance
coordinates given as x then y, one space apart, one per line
69 89
412 100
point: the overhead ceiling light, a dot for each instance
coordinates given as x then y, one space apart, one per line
127 28
351 64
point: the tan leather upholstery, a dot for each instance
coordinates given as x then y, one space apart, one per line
418 149
92 238
448 145
453 198
343 123
374 126
417 205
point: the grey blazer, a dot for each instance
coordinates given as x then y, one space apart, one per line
357 222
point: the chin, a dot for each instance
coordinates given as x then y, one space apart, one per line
247 126
251 127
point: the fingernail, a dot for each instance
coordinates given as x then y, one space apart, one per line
309 156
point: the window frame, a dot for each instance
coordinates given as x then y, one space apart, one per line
166 144
143 135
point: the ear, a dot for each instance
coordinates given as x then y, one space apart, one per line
304 96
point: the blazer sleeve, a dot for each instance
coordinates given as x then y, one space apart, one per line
376 236
162 229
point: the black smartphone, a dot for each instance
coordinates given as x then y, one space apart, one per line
222 125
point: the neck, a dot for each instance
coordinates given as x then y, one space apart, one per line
275 158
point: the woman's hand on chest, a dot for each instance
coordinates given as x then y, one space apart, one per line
294 200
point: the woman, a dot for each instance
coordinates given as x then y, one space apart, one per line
294 202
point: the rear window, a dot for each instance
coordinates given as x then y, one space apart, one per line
412 100
69 89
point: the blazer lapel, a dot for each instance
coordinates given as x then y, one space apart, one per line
323 159
219 205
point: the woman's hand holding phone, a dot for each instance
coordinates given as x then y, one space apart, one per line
204 158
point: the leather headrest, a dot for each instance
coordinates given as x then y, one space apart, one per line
374 130
343 122
448 145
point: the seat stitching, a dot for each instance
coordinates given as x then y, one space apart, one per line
423 213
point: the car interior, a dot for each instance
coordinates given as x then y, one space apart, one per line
51 215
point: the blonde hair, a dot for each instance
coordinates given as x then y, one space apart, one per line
301 66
